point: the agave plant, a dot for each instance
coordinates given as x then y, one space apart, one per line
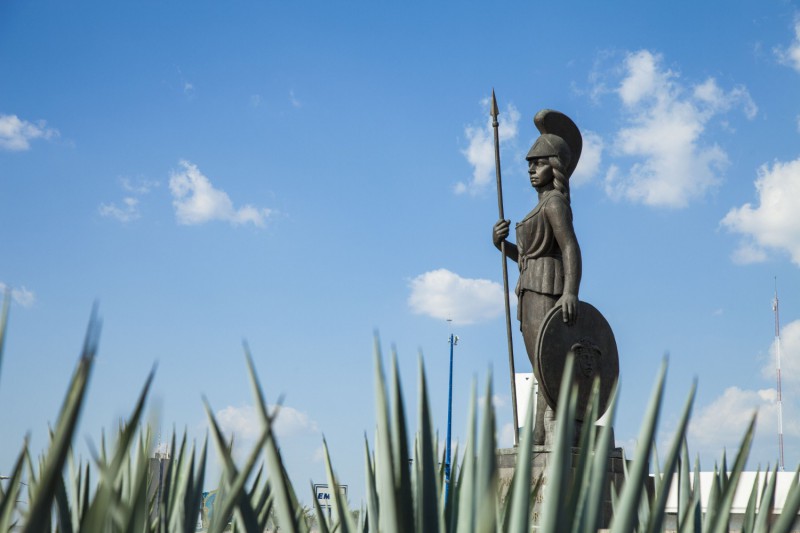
115 490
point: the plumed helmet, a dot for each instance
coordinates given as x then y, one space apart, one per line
560 137
549 144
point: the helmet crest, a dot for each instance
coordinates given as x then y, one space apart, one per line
560 137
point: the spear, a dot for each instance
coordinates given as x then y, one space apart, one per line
495 125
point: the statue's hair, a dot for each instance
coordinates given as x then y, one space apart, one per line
560 179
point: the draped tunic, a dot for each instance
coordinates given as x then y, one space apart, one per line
541 267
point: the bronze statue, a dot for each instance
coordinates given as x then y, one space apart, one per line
547 250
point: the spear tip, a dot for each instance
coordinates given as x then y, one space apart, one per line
494 106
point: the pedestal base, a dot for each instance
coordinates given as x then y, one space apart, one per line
507 461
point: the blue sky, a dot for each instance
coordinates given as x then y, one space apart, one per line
300 175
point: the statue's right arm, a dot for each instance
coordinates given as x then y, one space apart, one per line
499 234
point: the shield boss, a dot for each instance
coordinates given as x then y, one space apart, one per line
591 341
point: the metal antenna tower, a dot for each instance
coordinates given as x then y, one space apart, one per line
778 370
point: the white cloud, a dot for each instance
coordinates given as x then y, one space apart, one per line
717 100
747 253
20 295
774 223
663 134
591 157
790 56
241 422
643 78
293 99
722 423
128 210
480 152
255 100
291 422
140 187
245 422
445 295
16 134
197 201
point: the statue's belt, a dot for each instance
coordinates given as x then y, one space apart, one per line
525 259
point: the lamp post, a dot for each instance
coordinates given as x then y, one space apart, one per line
453 342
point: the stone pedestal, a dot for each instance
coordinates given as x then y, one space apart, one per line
507 461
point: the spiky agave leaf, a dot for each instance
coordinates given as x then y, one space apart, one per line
586 450
749 519
767 505
664 482
193 499
684 485
713 504
174 484
554 518
8 498
77 479
345 520
441 481
285 498
260 497
373 508
657 467
135 509
486 470
463 518
185 489
363 525
108 495
630 498
593 503
235 497
723 471
427 508
731 482
449 506
404 499
791 506
384 454
520 495
694 519
63 511
42 501
440 469
178 477
322 520
265 511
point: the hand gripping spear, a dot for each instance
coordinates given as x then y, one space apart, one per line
495 125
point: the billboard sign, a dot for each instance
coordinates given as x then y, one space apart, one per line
324 495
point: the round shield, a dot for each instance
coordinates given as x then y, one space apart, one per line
592 344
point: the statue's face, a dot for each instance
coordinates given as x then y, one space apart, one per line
540 171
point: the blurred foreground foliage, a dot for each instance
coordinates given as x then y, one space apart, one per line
115 491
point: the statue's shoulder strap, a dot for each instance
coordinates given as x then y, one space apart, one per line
557 204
